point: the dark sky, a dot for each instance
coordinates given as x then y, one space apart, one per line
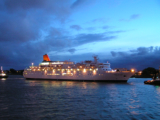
123 32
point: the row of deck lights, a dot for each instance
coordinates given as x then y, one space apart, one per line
69 70
35 68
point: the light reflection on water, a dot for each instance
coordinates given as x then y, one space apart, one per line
43 99
3 78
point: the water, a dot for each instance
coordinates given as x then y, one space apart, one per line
69 100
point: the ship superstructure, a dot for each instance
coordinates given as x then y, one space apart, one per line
68 70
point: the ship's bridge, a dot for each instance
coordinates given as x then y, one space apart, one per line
105 66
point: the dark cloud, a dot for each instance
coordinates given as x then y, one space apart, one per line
79 3
76 27
72 50
18 29
57 39
88 38
60 39
113 53
55 7
31 28
139 58
25 20
26 32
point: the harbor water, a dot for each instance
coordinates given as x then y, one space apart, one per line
74 100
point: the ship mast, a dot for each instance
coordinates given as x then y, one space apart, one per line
95 59
1 68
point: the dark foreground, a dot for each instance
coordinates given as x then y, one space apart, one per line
70 100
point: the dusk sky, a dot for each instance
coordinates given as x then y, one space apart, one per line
126 33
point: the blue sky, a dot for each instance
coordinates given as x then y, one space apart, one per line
123 32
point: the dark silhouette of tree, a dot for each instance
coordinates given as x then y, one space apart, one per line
150 72
13 71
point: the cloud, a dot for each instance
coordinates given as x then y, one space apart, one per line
76 27
72 50
31 28
113 53
18 29
101 20
55 7
26 30
132 17
115 32
105 27
139 58
88 38
25 20
79 3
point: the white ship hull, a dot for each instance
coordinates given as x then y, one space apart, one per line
106 77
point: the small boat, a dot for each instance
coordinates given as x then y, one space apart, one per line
2 74
153 82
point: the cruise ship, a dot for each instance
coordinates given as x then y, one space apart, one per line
83 71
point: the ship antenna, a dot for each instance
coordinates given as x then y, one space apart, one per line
2 69
95 58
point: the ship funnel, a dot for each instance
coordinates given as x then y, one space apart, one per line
46 58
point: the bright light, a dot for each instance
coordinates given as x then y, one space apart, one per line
45 63
132 70
94 72
32 64
57 62
84 70
3 74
